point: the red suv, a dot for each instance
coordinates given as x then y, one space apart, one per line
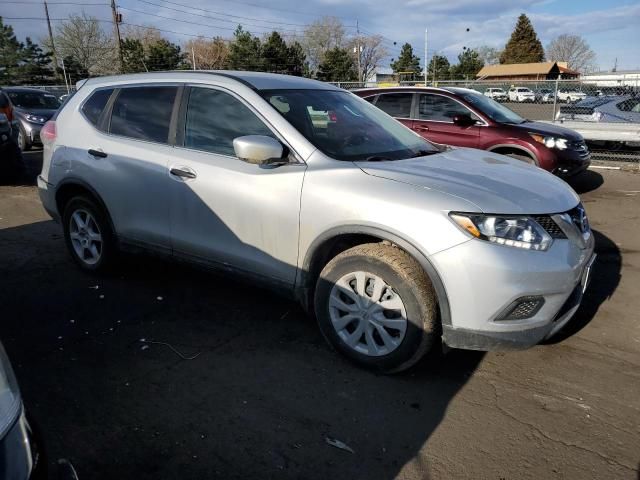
465 118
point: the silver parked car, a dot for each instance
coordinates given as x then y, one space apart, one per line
393 242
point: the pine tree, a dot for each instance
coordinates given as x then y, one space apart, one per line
439 67
36 65
297 60
407 61
524 46
469 63
164 55
275 54
337 66
133 57
245 52
11 52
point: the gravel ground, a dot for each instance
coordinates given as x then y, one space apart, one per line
264 392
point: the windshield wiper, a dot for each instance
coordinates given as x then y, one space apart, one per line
423 153
376 158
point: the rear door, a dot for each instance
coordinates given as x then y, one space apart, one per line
124 158
434 121
398 105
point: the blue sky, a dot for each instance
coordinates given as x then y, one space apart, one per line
611 27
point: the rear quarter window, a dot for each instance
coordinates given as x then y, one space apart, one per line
95 104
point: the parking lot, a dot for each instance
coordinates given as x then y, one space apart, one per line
234 382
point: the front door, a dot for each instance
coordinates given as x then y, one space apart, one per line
434 121
224 210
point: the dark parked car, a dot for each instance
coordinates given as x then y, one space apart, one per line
21 453
11 164
32 109
464 118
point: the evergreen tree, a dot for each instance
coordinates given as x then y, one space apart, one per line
469 63
337 66
11 52
164 55
36 65
74 70
275 54
297 60
133 56
245 52
407 61
524 45
439 67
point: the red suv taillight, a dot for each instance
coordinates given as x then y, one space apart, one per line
48 133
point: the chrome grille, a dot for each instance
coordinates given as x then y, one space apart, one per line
551 227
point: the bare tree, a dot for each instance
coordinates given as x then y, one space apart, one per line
209 54
147 36
82 38
371 53
320 37
572 49
489 55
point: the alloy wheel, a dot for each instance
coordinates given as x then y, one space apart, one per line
85 236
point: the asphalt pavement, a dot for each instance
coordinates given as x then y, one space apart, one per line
162 371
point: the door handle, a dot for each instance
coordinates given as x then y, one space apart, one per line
422 128
97 153
183 172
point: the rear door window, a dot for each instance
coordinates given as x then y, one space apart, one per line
395 104
94 105
143 113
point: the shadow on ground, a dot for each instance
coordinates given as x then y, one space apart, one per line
258 401
586 181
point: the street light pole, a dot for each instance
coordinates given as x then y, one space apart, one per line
426 65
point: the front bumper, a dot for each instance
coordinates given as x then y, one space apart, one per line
32 130
482 279
572 161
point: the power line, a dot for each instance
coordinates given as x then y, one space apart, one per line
55 3
197 23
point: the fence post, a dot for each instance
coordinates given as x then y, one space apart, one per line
555 99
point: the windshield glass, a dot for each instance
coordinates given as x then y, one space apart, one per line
346 127
34 100
492 109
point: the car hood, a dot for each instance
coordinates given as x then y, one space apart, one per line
550 129
492 182
40 112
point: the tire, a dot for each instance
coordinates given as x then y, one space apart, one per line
404 285
75 235
23 141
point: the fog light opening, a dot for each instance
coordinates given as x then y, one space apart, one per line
522 308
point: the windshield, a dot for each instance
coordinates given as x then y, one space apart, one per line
34 100
492 109
346 127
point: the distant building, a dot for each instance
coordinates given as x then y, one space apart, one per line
527 71
621 78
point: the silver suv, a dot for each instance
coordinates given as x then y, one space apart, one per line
393 242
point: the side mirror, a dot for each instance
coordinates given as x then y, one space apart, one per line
258 149
463 120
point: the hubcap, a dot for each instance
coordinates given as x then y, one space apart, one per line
86 238
367 314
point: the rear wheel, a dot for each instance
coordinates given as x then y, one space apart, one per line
88 234
376 305
23 141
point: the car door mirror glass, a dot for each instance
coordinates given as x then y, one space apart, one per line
259 150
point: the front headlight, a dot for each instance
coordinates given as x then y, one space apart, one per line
513 231
550 142
35 118
10 402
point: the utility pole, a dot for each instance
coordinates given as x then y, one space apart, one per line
116 20
426 65
358 51
53 47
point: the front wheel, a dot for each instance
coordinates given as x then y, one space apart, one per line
23 141
376 305
88 234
